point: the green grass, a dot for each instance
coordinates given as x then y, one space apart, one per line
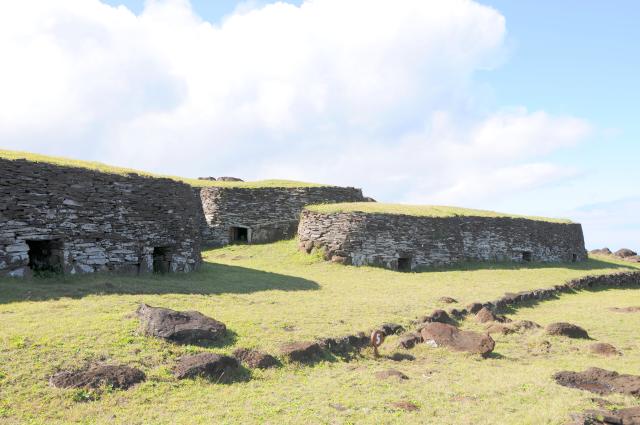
271 294
104 168
419 211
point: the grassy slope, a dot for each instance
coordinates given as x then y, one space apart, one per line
270 294
419 210
104 168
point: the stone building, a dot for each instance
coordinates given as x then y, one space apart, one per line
263 214
407 242
75 220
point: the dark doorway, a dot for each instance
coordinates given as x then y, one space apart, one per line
574 258
161 260
239 235
46 256
527 256
404 264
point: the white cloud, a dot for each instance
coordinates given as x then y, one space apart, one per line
374 93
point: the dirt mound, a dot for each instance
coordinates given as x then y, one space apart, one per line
568 330
442 334
391 373
624 253
184 327
115 376
302 352
208 365
404 405
600 381
255 359
345 345
447 300
625 309
604 349
629 416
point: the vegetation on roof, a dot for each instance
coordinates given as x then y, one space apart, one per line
419 211
104 168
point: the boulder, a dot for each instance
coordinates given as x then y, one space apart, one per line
512 327
391 373
401 357
628 416
410 340
96 376
600 381
473 308
438 315
255 359
391 329
442 334
602 251
624 253
207 365
604 349
207 178
301 352
229 179
184 327
447 300
524 325
485 315
567 329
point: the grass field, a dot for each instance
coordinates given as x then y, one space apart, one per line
271 294
420 211
104 168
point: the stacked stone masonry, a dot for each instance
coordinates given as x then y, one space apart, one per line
75 220
262 215
408 242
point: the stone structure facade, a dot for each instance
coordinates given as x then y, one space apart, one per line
403 242
262 215
75 220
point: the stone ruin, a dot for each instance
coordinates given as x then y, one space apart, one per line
405 242
263 215
59 219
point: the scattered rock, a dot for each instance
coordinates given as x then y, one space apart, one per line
568 330
442 334
302 352
447 300
391 329
602 251
600 381
604 349
229 179
391 373
409 341
338 407
624 253
345 345
474 307
457 313
629 416
208 365
255 359
485 315
499 328
404 405
601 402
185 327
399 357
625 309
115 376
525 325
438 315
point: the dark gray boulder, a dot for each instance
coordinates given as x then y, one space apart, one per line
207 365
184 327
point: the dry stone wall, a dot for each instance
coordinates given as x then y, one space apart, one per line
265 214
407 242
75 220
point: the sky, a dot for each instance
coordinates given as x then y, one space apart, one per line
518 106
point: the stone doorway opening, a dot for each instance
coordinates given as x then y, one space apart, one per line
239 234
574 258
46 256
404 264
161 259
527 256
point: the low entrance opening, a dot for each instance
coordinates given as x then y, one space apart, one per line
161 259
527 256
239 234
574 258
46 256
404 264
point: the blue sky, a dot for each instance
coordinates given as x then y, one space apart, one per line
528 108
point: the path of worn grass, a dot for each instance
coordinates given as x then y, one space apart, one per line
268 295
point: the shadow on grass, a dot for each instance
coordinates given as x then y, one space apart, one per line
590 264
211 279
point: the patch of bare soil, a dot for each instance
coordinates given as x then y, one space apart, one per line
600 381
